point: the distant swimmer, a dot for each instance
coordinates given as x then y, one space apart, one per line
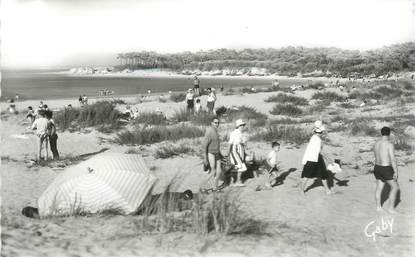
386 169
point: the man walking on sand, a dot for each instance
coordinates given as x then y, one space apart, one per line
386 170
211 150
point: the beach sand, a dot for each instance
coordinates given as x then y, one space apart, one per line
311 225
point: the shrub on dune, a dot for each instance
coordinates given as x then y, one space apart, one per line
328 96
151 118
156 134
247 113
288 134
362 127
100 114
284 98
177 98
286 109
202 118
170 150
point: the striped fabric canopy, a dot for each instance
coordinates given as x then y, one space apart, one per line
107 181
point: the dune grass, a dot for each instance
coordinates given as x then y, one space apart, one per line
285 98
328 96
361 126
289 134
156 134
286 109
178 97
203 118
100 114
171 150
151 118
247 113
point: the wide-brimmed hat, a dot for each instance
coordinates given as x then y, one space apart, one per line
189 90
239 123
319 127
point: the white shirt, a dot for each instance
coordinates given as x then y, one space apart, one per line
211 97
313 150
272 158
237 137
41 126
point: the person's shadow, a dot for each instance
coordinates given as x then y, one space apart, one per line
330 182
385 195
281 178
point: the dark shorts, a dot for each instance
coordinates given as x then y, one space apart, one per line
383 172
190 104
315 169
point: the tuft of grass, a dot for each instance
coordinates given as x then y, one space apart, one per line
118 101
247 113
286 109
151 118
170 150
401 144
203 118
156 134
389 92
102 114
285 98
328 96
362 127
347 106
178 97
288 134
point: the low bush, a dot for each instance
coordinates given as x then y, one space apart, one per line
170 150
151 118
247 113
286 109
347 106
362 127
156 134
401 144
100 114
389 92
177 98
328 96
284 98
288 134
202 118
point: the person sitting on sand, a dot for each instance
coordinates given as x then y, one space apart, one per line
190 101
198 106
385 170
236 151
53 136
313 161
41 125
211 150
271 164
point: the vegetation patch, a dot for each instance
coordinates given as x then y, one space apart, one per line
286 109
178 97
288 134
170 150
151 118
285 98
328 96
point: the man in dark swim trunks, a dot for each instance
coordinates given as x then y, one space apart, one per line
386 170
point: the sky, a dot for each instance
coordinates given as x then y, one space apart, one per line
47 33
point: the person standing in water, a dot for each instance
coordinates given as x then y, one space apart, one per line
386 169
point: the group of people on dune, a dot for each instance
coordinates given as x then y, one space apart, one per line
385 169
193 103
41 121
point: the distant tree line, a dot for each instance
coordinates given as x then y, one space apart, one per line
284 61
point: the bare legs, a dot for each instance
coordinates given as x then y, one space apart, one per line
392 194
304 185
42 140
215 168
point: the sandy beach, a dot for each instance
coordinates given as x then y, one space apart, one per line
342 224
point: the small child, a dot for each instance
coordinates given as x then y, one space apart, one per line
271 164
41 125
198 106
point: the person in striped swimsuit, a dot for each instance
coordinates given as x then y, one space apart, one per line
237 144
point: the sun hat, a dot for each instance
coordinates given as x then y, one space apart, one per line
319 127
239 123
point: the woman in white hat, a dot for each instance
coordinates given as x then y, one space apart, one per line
314 166
237 143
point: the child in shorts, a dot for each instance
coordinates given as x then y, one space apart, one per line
271 164
41 126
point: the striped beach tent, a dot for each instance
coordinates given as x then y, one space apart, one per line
109 181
